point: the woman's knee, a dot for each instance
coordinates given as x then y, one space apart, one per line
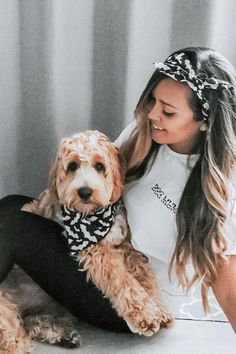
12 203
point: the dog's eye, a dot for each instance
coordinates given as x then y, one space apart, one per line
72 166
99 167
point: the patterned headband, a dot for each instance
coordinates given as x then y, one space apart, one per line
179 68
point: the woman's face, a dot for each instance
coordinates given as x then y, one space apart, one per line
172 119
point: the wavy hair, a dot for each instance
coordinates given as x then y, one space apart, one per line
203 207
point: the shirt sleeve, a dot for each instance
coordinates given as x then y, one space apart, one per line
229 227
125 134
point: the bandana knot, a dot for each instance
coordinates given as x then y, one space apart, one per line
83 231
179 68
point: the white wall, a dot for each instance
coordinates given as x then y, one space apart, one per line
10 95
149 41
71 64
223 28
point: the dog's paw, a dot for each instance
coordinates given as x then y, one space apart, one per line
166 319
147 321
71 340
58 331
144 326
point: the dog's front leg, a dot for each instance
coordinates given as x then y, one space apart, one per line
138 265
105 267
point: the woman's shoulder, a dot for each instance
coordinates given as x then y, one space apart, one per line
229 226
232 186
125 134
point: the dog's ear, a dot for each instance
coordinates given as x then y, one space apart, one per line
122 163
118 171
58 169
52 183
47 203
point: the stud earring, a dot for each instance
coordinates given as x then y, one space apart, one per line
203 128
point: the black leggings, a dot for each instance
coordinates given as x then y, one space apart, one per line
37 246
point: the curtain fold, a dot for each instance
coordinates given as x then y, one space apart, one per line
73 65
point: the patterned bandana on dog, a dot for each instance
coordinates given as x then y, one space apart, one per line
84 231
179 68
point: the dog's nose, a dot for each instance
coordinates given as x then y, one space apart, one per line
85 193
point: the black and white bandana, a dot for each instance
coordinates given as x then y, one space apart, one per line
179 68
83 231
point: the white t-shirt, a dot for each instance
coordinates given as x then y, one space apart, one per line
151 204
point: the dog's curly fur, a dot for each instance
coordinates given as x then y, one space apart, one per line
123 274
13 337
27 312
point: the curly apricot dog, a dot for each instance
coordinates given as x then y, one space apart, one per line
84 190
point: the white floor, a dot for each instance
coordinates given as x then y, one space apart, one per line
186 337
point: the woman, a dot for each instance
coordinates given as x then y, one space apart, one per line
181 159
181 169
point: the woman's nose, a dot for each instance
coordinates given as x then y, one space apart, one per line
154 113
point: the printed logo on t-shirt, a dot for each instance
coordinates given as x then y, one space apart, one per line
164 198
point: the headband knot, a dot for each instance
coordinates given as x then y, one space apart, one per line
179 68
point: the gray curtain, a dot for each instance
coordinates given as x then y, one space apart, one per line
71 65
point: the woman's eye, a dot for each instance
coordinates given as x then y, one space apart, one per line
151 103
72 166
151 100
168 114
99 167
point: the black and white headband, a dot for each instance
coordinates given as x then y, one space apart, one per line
179 68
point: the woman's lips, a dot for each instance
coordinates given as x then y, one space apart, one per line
157 128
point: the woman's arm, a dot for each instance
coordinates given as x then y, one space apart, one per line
224 289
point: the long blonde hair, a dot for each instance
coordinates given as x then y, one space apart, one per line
203 207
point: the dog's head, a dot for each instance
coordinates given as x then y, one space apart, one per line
87 172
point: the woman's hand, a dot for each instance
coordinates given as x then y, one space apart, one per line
224 289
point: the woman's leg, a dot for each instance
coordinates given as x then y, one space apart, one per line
37 246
